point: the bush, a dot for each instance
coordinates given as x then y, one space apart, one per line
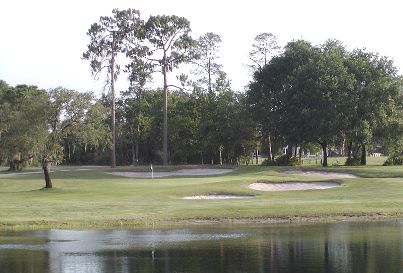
268 162
352 162
245 160
394 160
294 161
283 160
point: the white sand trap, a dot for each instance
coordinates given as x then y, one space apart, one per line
217 196
323 175
293 186
183 172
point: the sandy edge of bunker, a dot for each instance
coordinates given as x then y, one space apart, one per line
183 172
321 174
217 196
293 186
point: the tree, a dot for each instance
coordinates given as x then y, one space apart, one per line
4 114
264 45
302 94
184 122
273 99
374 100
23 113
66 115
169 46
206 50
329 102
135 108
91 134
107 40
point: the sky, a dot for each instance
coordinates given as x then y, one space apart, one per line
42 41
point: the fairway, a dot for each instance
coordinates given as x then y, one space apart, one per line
92 197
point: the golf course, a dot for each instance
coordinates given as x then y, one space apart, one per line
94 196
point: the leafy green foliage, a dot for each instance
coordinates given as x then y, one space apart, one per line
269 162
205 60
24 110
264 46
395 159
108 37
351 161
325 94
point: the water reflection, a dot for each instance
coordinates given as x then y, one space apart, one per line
341 247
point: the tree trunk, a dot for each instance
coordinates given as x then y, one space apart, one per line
363 155
257 156
113 110
11 163
209 75
271 157
289 151
355 151
133 153
68 146
343 146
48 181
324 149
349 148
165 114
137 153
220 157
12 166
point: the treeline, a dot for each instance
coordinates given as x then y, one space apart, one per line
204 127
36 124
329 96
67 126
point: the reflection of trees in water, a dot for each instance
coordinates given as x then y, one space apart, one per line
335 248
338 248
24 261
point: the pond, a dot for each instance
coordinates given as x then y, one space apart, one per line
334 247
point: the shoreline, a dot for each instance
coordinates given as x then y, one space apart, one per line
154 224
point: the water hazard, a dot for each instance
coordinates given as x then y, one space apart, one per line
338 247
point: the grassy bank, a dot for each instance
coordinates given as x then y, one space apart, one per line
90 197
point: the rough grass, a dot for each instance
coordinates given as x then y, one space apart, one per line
92 198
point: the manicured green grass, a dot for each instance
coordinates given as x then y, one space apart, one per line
93 198
338 161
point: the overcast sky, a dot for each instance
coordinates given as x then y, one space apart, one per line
42 41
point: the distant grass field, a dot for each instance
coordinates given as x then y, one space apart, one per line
93 198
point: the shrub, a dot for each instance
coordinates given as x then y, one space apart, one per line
268 162
394 160
245 160
352 161
294 161
285 160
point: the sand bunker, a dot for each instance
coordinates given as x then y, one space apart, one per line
217 196
293 186
322 175
184 172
